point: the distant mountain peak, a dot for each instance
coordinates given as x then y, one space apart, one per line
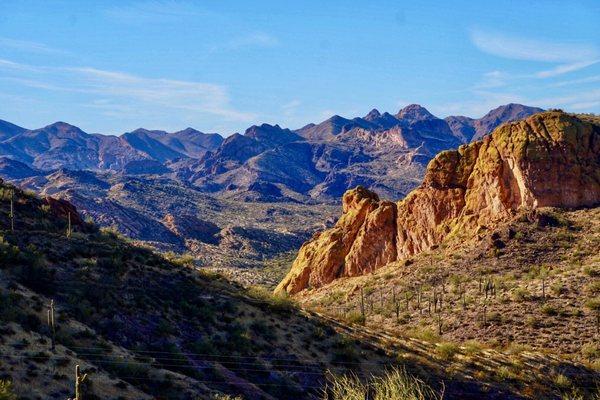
61 125
145 131
188 130
372 115
414 112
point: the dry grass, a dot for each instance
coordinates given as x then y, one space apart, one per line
396 384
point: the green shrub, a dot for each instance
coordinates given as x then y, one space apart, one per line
562 381
549 309
355 318
276 302
344 350
520 294
504 373
590 351
558 289
593 288
446 350
593 304
591 271
6 392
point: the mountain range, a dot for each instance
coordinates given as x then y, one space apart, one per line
267 162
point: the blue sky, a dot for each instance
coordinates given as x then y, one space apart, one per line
113 66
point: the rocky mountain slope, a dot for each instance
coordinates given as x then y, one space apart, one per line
319 161
169 216
469 129
550 159
142 326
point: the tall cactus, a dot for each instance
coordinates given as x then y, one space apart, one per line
51 325
362 304
79 379
12 211
69 225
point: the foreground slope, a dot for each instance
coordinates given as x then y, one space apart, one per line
143 326
549 159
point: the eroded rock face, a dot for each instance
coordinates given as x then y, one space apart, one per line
549 159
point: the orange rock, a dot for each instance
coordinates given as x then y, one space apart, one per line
549 159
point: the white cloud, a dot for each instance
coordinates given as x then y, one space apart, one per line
581 100
256 39
31 47
250 40
117 88
482 101
289 109
588 79
156 11
569 56
564 68
493 79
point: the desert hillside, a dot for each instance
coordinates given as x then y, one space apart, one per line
142 326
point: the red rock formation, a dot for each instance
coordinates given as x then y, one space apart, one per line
549 159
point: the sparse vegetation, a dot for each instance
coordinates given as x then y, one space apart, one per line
396 384
6 392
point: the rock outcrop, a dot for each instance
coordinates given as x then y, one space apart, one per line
549 159
63 209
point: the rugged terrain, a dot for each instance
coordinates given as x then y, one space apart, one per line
243 201
225 234
142 326
267 163
497 250
550 159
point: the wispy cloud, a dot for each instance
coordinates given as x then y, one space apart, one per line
289 109
255 39
156 11
247 41
109 90
569 56
30 47
493 79
564 68
588 79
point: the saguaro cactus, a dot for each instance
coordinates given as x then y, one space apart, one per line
362 304
12 211
51 325
69 225
395 302
79 379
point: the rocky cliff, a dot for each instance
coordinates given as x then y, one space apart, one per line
549 159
